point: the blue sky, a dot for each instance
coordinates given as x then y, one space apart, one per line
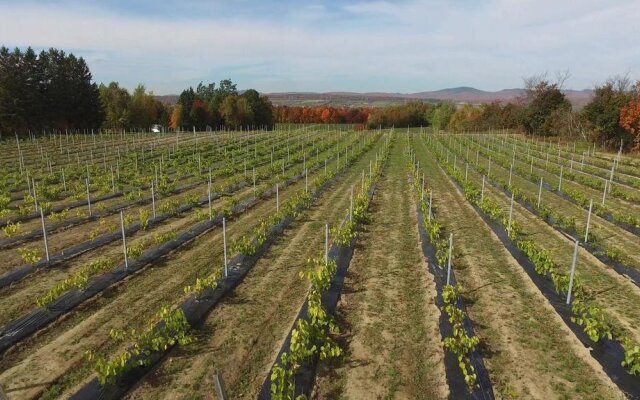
391 46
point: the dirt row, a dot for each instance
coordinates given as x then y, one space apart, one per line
611 201
20 297
58 352
612 292
387 311
611 234
527 349
244 333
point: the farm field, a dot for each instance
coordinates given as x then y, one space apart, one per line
320 261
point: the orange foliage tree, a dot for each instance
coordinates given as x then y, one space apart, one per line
174 119
321 115
630 117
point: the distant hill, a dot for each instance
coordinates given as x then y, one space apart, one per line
463 94
169 99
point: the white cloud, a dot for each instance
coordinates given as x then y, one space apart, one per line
368 46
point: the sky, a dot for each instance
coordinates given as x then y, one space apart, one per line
363 46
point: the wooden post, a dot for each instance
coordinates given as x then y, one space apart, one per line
604 192
482 191
277 198
510 172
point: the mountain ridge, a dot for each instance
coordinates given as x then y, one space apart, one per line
461 94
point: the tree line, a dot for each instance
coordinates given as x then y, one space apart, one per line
321 115
53 90
211 107
611 118
46 90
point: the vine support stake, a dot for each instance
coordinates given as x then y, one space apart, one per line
449 259
277 198
540 192
326 244
466 172
209 196
44 234
573 272
422 189
88 195
254 178
113 181
613 167
221 391
510 213
153 200
510 172
586 232
351 205
306 181
430 202
482 191
604 192
35 193
124 242
224 243
560 182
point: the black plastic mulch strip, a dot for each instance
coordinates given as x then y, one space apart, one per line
305 376
37 319
604 215
58 208
458 388
608 353
631 273
19 273
25 326
71 222
196 310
